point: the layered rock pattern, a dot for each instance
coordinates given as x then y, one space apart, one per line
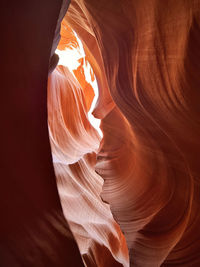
74 144
146 60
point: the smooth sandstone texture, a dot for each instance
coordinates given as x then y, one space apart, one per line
146 59
74 144
145 55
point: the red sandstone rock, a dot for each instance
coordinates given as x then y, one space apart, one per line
146 55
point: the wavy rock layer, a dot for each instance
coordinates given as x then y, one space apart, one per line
145 55
74 145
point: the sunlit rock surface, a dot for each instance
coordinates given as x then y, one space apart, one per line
74 145
145 55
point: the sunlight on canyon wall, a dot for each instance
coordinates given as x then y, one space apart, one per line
74 58
75 143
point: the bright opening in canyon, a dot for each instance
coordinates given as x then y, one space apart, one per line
74 59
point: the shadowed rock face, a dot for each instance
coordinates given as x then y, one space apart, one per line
33 230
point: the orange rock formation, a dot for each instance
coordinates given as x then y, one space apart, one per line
146 60
130 198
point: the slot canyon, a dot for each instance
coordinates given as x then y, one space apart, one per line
100 115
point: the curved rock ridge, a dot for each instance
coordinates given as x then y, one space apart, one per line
69 128
78 21
74 144
145 55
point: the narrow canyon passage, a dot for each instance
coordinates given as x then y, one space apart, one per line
100 133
